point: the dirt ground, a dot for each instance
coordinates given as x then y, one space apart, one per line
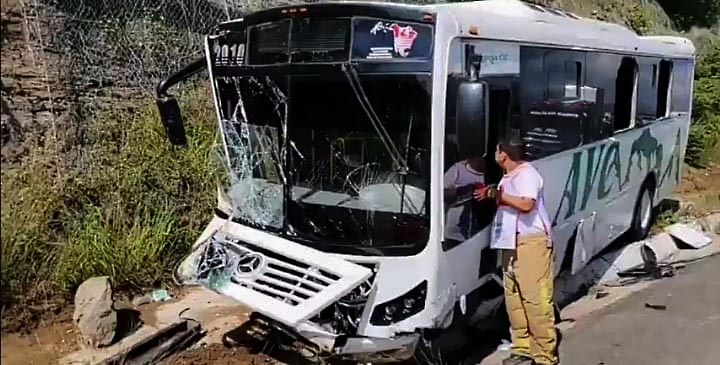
218 354
701 189
43 346
42 336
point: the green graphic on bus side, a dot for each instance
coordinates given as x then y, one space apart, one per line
603 166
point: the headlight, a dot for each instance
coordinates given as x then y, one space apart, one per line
400 308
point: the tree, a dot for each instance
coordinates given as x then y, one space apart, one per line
689 13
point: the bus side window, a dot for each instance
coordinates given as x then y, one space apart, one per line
664 89
626 91
602 71
682 75
647 102
555 111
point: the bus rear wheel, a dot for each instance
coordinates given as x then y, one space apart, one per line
643 214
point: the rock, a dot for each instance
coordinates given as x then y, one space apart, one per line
141 300
94 315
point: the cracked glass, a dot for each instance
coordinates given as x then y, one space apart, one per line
305 160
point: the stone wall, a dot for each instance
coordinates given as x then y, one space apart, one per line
34 97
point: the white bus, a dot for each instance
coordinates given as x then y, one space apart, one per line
341 124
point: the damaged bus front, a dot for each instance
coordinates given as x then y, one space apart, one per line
325 117
354 135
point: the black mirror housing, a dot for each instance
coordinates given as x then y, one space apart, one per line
172 120
471 118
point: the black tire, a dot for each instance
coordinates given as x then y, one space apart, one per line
643 213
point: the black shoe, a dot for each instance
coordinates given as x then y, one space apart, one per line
517 360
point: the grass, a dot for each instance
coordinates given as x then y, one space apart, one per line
126 204
127 207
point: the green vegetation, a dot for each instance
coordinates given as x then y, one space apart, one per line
693 13
704 140
129 208
130 204
701 20
665 219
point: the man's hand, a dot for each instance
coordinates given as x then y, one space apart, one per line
487 192
481 193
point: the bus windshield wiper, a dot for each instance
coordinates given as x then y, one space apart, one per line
354 80
401 163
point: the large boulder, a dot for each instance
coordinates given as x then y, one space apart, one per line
94 315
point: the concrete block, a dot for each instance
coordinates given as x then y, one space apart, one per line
663 246
688 235
627 258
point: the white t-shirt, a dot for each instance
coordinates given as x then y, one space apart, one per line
525 182
459 174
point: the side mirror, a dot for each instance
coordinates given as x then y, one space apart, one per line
172 120
471 118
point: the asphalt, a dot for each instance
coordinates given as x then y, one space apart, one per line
687 332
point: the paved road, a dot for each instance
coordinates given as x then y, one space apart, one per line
627 333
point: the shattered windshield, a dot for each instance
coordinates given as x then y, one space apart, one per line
305 159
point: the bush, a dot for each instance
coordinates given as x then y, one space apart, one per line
704 138
129 209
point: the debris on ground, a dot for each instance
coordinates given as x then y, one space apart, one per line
505 345
166 342
598 291
166 328
688 235
159 295
94 316
141 300
658 307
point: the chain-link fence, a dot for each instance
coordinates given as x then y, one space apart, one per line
127 43
64 60
123 44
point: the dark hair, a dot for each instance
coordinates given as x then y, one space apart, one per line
513 147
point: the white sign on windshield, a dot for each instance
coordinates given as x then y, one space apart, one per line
499 58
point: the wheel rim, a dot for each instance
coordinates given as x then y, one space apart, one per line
645 211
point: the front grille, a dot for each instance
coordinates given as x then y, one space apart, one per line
278 277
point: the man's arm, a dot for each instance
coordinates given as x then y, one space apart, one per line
527 186
520 203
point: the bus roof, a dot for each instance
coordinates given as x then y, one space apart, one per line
519 21
516 20
524 22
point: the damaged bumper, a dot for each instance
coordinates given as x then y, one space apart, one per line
276 277
360 349
293 288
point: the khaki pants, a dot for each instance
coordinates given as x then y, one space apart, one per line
528 279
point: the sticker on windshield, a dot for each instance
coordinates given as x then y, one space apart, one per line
403 37
379 39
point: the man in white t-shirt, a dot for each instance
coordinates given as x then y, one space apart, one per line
522 231
460 180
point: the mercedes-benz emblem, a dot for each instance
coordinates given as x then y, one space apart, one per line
249 263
